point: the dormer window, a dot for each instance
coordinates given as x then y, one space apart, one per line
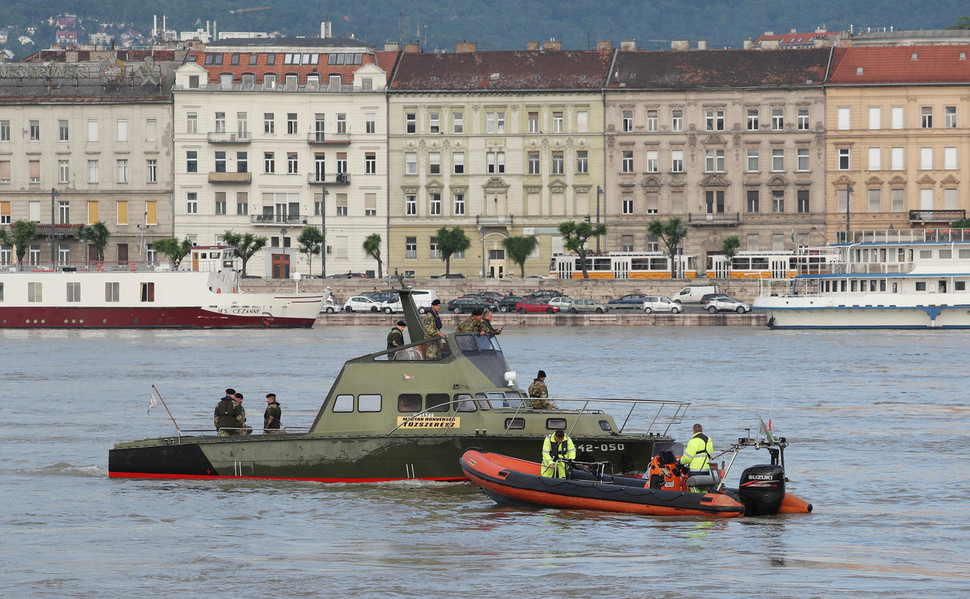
225 82
312 83
333 84
193 82
269 82
248 82
291 83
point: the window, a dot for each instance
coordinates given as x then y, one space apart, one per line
269 163
557 162
582 162
495 162
752 200
220 161
410 207
582 121
950 159
803 123
370 204
926 117
459 198
220 200
752 166
93 171
652 119
122 170
802 198
292 126
433 250
801 159
434 204
677 161
926 159
151 168
410 163
626 164
370 163
63 171
434 122
34 127
677 120
844 116
753 117
292 163
875 200
875 117
896 156
242 162
370 122
63 133
715 201
411 122
627 203
73 291
63 212
122 130
34 172
434 163
191 203
35 292
495 122
875 159
949 202
653 161
897 117
242 203
626 124
715 119
411 247
949 117
5 131
458 122
557 122
897 198
714 161
342 123
777 119
341 204
269 123
4 213
844 159
533 159
778 200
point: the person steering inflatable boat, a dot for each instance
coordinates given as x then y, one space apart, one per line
557 448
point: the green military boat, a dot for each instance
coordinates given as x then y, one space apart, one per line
410 413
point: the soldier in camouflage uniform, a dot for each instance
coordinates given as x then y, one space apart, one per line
487 324
396 337
241 418
224 417
432 332
472 324
271 417
538 391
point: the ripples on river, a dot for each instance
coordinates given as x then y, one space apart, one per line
878 423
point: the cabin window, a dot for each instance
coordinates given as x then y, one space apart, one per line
482 402
409 402
957 286
1 292
35 292
148 292
498 400
920 285
515 401
466 343
344 403
368 403
605 425
554 424
514 423
465 403
73 292
111 292
437 402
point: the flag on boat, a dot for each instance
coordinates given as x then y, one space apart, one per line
408 377
765 430
151 402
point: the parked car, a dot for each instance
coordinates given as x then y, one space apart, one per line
586 305
451 275
632 301
535 305
659 303
492 296
509 303
348 275
362 303
380 296
562 302
468 304
693 293
422 300
544 294
709 296
537 276
727 304
331 305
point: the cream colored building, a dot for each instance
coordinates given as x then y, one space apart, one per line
498 144
267 130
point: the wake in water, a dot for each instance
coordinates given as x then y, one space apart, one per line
62 469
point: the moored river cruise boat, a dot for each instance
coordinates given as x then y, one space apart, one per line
138 295
904 279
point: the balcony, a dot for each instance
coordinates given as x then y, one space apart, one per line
719 219
230 177
322 139
60 231
223 137
500 220
275 220
936 216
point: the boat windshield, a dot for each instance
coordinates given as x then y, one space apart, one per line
477 343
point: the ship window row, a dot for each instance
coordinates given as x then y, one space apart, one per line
72 292
412 403
880 285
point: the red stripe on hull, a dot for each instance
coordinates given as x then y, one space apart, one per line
139 318
446 479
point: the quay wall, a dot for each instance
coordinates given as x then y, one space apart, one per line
514 320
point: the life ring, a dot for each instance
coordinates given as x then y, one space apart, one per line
99 267
133 266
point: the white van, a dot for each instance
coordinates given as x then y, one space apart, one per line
422 300
692 294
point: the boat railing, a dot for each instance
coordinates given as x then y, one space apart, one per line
89 266
892 235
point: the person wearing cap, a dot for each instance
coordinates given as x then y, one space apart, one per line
487 324
697 454
556 449
432 331
271 417
396 337
472 324
540 394
224 417
241 417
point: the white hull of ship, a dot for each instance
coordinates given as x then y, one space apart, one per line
865 312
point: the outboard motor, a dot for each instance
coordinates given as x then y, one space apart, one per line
762 489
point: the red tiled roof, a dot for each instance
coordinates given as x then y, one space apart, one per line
712 69
896 64
261 67
796 38
502 71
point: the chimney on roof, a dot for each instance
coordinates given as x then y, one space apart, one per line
466 47
770 44
628 45
680 45
552 45
392 47
604 45
702 44
412 48
824 41
326 30
532 45
769 32
748 44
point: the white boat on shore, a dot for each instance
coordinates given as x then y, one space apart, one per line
148 295
905 279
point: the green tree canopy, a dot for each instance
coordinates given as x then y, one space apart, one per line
451 241
729 247
961 224
574 238
24 232
372 247
672 233
173 248
519 249
963 23
97 235
246 245
310 241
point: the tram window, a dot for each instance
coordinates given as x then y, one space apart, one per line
658 264
465 403
759 264
368 403
554 424
466 343
409 402
514 423
344 403
602 264
437 402
640 264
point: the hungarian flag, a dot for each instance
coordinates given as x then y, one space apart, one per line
765 430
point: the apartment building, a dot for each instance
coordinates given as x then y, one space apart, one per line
898 137
273 135
85 137
499 144
730 141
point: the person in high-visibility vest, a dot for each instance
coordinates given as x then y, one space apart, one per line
697 454
556 448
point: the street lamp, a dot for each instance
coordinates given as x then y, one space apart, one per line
680 248
284 271
323 230
599 192
482 230
54 194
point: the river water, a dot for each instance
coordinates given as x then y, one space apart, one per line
878 424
